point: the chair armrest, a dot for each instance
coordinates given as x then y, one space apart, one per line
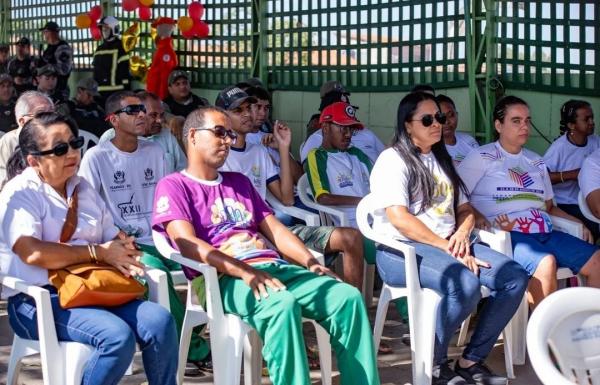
498 240
567 226
158 287
303 188
311 219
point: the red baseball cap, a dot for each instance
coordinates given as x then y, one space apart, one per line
340 113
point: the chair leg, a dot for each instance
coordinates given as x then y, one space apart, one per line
227 352
508 349
368 282
464 329
184 343
324 343
519 332
17 353
252 359
384 299
422 340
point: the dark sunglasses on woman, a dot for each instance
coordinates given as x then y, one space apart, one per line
62 148
427 120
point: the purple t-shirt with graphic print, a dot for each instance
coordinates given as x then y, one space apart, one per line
225 213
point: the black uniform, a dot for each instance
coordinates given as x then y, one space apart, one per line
18 67
61 55
184 109
8 121
90 118
111 68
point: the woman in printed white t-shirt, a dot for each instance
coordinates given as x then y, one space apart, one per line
511 187
566 155
458 144
423 204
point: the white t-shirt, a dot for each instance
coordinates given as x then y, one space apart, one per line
389 182
464 144
174 155
510 190
340 173
256 138
33 208
364 139
589 176
254 162
565 156
126 181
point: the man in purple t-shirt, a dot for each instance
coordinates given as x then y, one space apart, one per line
219 218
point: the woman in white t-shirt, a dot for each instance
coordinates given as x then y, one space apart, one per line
423 204
42 188
511 188
458 144
566 155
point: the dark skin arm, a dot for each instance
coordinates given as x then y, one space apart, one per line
566 176
593 202
337 200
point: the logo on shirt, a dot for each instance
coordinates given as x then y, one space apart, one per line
229 210
344 180
119 177
148 174
162 204
130 209
520 177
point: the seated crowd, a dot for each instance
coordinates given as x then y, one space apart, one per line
203 176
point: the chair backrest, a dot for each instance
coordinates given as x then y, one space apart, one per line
585 209
90 140
567 226
566 324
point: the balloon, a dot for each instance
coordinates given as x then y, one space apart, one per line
153 34
95 31
130 37
196 10
189 34
185 23
201 29
96 12
130 5
138 67
147 3
145 13
83 21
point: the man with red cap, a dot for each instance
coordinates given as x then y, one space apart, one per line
164 59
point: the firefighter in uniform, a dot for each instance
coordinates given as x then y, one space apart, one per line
111 62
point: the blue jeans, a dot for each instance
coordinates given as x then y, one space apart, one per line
460 291
113 332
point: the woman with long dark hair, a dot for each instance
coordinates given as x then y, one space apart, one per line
42 190
423 203
511 188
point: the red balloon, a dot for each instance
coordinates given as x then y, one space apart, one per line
95 13
201 29
130 5
196 10
95 31
145 13
189 34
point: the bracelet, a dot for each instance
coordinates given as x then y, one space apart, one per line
561 177
92 251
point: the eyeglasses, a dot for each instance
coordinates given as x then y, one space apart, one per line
132 109
220 132
427 120
62 148
345 130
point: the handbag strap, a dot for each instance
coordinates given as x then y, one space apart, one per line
70 225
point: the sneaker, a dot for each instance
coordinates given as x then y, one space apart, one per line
202 366
443 375
480 374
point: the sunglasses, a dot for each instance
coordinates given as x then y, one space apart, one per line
427 120
132 109
62 148
220 132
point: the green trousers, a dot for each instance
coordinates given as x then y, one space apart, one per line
199 348
336 306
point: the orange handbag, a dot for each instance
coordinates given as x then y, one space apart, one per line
90 284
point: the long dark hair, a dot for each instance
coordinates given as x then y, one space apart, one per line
29 138
568 113
502 106
420 179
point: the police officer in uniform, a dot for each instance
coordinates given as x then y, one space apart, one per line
60 54
7 104
21 66
88 115
111 62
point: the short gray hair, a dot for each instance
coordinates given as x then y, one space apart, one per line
26 103
197 118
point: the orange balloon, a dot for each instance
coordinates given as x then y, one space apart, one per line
147 3
185 23
83 21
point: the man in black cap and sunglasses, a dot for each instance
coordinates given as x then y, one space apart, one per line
125 171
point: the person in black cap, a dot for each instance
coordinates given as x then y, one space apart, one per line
88 115
181 101
111 62
47 80
3 57
60 54
7 104
21 66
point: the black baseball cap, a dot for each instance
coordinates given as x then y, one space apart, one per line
50 26
24 41
232 97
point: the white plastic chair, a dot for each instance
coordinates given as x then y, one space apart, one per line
422 303
311 219
62 362
229 335
90 140
585 209
326 214
566 324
